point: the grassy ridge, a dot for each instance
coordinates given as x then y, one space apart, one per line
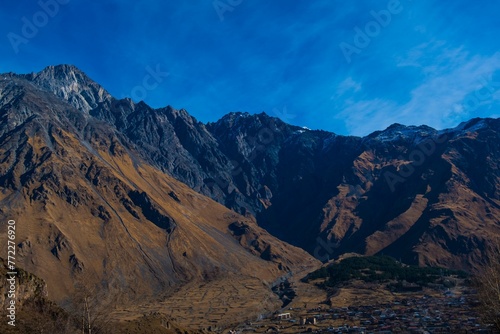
379 269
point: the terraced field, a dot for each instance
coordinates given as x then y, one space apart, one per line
212 305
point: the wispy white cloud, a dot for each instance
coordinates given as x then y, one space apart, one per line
349 85
451 77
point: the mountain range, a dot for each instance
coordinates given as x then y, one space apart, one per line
149 200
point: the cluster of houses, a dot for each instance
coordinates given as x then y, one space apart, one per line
415 314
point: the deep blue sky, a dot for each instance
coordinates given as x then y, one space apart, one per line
432 62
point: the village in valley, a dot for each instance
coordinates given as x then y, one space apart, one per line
413 313
363 303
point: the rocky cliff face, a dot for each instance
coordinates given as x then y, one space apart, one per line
426 196
33 312
28 287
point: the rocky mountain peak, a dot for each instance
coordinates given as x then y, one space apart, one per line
178 115
71 84
237 123
62 72
398 131
477 124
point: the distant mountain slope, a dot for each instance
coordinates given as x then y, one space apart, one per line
86 204
426 196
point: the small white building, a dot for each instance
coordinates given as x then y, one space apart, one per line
283 316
